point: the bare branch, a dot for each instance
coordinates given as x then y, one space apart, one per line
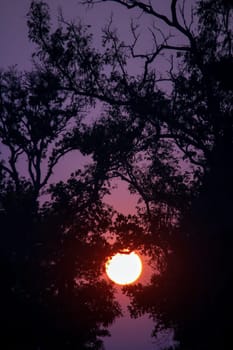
53 161
8 170
148 9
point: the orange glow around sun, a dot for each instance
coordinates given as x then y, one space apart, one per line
124 268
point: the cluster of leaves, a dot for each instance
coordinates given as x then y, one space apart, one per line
54 292
34 116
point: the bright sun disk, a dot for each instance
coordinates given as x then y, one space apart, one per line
124 268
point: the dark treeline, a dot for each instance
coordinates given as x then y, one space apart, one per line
174 150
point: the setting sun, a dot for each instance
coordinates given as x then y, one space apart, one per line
124 268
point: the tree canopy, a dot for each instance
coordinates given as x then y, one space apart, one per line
172 146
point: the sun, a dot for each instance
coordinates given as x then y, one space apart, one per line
124 268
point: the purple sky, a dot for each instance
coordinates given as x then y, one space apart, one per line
15 49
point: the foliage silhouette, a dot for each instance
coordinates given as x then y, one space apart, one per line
188 213
175 150
54 294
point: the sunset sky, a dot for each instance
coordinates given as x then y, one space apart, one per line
116 167
15 49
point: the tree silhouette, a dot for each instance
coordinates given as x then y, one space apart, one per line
143 136
52 263
34 116
194 122
53 290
